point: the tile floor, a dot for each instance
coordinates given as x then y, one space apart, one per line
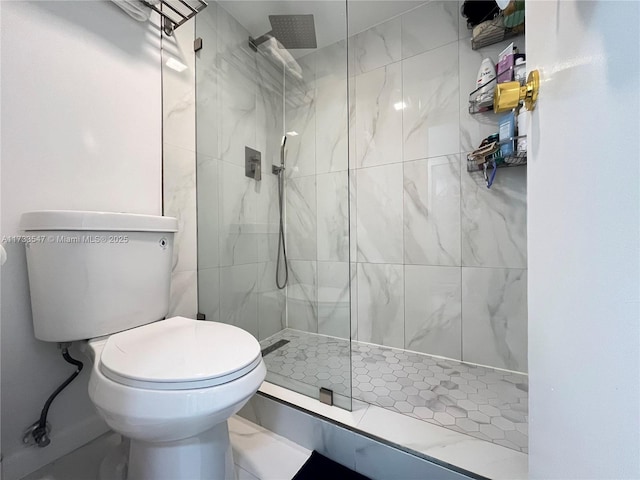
485 403
258 453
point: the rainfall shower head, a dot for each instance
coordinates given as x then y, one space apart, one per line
294 31
291 31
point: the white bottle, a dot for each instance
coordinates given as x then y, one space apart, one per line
486 74
522 129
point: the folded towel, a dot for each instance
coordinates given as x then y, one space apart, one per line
135 9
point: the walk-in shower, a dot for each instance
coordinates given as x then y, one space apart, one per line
371 263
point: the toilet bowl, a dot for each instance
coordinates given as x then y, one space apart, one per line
169 387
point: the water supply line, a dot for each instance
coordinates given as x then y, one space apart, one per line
282 249
38 433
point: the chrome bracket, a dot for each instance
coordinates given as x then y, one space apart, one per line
326 396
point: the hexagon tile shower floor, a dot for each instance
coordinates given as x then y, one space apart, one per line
478 401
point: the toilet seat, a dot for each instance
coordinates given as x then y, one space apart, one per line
179 354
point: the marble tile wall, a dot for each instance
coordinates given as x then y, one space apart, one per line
239 104
439 259
317 192
375 176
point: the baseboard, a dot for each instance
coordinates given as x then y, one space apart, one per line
28 460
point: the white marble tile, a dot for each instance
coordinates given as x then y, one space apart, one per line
301 218
244 474
332 127
380 214
472 454
474 128
353 216
430 26
431 98
267 215
269 113
377 46
378 106
237 100
207 212
494 221
232 39
494 318
381 304
432 309
300 117
331 63
264 454
81 464
238 297
302 296
180 202
333 299
237 216
353 299
352 101
207 107
271 302
179 98
333 216
183 300
209 293
432 211
267 243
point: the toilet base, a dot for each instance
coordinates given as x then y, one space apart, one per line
207 456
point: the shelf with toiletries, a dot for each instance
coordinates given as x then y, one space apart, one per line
511 66
481 99
514 159
497 152
493 22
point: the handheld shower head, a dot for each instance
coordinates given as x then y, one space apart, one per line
282 145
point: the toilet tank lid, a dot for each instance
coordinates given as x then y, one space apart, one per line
73 220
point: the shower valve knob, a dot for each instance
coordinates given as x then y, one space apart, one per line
256 168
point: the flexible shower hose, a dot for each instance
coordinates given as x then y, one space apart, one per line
282 249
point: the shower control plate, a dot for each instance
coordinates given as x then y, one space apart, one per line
252 163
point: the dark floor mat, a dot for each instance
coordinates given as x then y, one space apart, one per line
319 467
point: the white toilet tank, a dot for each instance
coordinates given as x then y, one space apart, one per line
96 273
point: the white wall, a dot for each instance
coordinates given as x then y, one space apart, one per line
81 129
584 240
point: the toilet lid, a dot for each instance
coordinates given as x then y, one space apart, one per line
179 353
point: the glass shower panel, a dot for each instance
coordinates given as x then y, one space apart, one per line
273 185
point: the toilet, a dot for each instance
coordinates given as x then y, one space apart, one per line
167 385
